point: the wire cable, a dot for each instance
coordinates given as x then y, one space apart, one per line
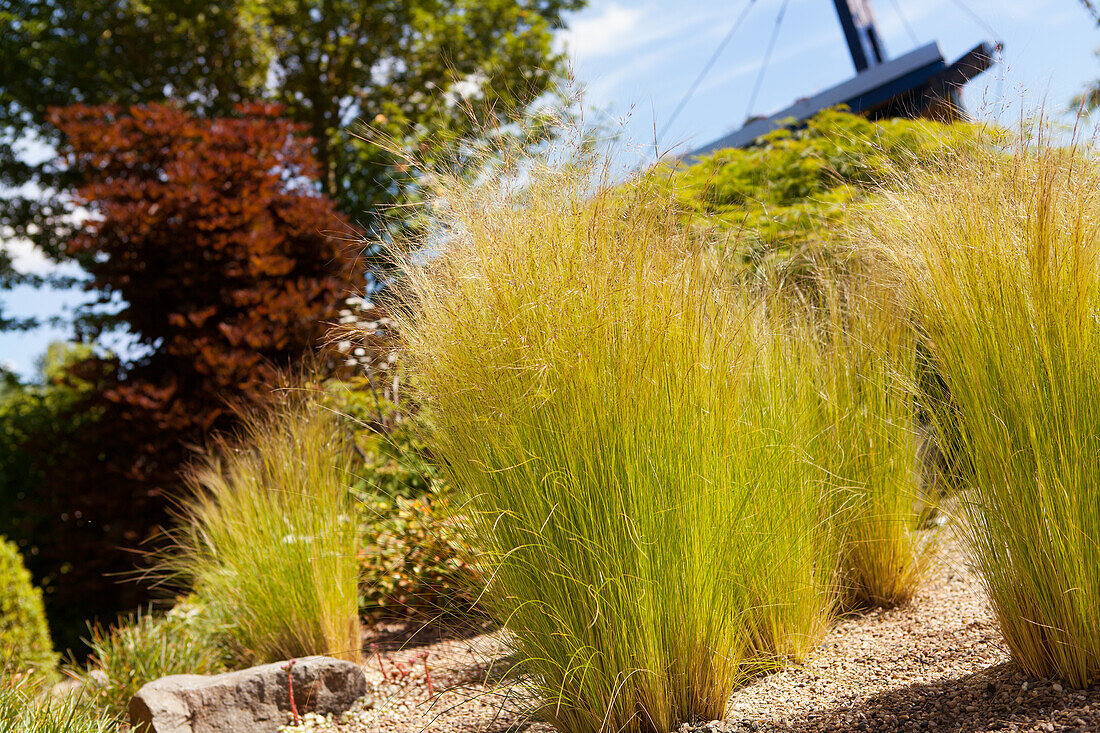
905 22
767 57
998 46
706 68
978 19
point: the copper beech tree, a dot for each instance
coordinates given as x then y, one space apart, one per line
229 266
213 235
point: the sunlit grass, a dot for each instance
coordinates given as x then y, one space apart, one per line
27 708
269 540
865 371
143 648
621 419
1001 251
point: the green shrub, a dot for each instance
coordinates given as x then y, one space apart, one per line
144 648
43 425
392 459
1001 253
24 636
413 563
269 542
624 435
798 186
25 709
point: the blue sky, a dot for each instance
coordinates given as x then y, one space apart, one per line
635 60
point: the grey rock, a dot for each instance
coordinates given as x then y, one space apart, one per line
255 699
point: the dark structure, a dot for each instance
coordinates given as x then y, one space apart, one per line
919 84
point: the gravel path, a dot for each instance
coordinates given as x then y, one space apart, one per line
937 664
469 691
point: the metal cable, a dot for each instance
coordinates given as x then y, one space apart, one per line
703 72
905 22
978 19
767 57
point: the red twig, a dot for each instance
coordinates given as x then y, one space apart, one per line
290 690
428 676
381 666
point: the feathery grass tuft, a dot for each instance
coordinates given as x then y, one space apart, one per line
26 708
626 432
143 648
269 542
1002 254
865 371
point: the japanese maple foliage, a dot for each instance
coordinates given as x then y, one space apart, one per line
215 238
230 266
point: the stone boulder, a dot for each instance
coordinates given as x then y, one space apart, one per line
255 699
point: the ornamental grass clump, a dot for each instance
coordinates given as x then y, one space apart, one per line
142 648
619 419
864 368
792 505
1001 252
269 541
27 707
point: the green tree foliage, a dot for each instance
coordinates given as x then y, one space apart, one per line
222 274
403 67
24 638
30 410
59 52
786 192
44 427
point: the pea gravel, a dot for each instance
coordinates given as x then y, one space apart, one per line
937 664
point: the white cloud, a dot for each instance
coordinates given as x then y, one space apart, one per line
27 258
616 30
658 42
30 260
613 31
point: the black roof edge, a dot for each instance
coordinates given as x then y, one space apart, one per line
922 69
